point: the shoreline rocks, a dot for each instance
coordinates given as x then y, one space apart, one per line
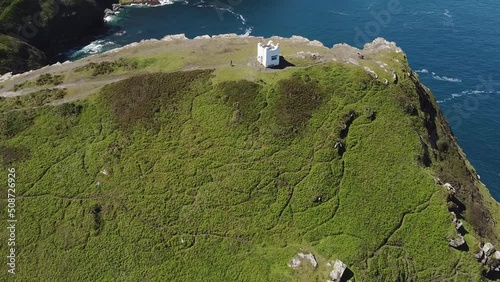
108 12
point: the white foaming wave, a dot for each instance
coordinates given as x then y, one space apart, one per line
120 33
230 10
448 21
445 78
339 13
111 18
443 101
95 47
162 3
243 20
203 4
166 2
247 33
438 77
467 93
415 13
422 71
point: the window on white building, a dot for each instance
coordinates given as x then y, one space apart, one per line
275 57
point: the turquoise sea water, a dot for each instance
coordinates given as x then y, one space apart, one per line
451 44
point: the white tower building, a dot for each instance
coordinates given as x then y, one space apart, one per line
268 55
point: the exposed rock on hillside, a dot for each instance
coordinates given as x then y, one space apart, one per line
338 270
303 257
457 242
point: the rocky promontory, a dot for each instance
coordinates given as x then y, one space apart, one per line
186 160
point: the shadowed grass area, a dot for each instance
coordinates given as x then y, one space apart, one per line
12 155
15 122
108 67
297 101
139 98
245 97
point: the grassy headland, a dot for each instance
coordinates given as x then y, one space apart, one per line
183 168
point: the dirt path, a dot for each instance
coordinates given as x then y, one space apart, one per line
95 84
74 84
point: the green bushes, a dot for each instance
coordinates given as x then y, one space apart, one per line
15 122
107 67
20 85
297 100
244 97
49 79
46 79
69 109
139 98
35 99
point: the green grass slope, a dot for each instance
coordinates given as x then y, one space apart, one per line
203 176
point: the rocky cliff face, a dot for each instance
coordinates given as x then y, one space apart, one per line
49 26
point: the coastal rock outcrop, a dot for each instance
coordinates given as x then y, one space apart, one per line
109 12
380 44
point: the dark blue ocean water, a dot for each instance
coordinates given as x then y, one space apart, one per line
451 44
